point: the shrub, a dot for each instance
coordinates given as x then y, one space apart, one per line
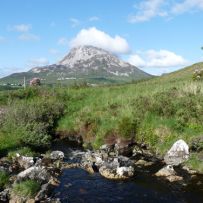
4 179
36 135
28 188
163 103
147 136
22 94
32 123
197 144
198 74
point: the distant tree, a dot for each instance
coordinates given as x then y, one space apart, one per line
35 82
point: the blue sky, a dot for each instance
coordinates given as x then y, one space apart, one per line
156 35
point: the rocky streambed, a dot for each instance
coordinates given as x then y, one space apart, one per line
112 173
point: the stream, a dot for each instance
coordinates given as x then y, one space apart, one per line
78 186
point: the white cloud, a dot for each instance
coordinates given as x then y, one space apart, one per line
98 38
63 41
20 28
24 30
164 58
157 59
187 5
146 10
74 22
29 37
93 18
136 60
38 62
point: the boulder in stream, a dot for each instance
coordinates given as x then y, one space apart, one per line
169 173
178 153
55 155
118 173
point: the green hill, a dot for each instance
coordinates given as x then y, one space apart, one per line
183 74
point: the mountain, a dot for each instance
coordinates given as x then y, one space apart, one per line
83 63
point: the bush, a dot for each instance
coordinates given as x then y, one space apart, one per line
198 74
28 188
32 123
36 135
148 136
163 103
4 179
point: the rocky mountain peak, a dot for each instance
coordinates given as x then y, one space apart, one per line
85 53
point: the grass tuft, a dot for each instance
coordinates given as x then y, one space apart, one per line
4 179
28 188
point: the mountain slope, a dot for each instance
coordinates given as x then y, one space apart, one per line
183 74
83 63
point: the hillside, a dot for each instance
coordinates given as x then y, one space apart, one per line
183 74
155 113
83 63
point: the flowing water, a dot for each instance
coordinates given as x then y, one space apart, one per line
78 186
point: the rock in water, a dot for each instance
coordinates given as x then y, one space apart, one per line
166 171
118 173
55 155
125 171
169 173
178 153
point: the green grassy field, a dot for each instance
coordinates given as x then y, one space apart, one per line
156 112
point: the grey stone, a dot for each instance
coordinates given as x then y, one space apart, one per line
24 161
4 195
169 173
34 173
55 155
178 153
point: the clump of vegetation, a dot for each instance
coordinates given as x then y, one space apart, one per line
127 127
198 74
27 189
195 162
30 121
24 151
4 179
35 82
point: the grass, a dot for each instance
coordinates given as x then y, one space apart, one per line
195 162
157 112
28 188
4 179
23 151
